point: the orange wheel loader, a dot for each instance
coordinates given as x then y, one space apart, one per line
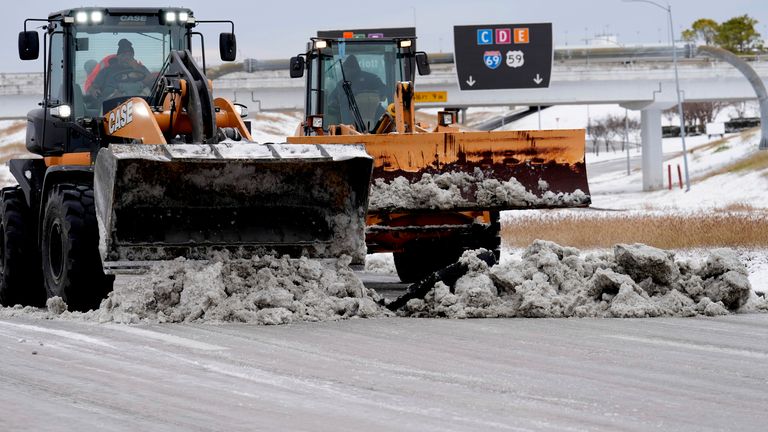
435 192
140 163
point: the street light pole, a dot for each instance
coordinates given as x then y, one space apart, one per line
668 8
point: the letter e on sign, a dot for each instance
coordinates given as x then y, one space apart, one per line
521 35
503 36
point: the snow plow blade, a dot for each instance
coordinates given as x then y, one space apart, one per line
160 202
470 171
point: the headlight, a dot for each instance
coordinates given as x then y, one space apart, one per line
183 16
406 43
170 17
81 17
61 111
241 110
321 44
96 17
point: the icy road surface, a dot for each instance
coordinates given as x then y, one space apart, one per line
387 374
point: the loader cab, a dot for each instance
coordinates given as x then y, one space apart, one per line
95 58
371 67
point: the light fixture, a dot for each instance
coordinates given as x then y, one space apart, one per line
96 17
241 110
170 16
320 44
406 43
446 118
317 121
81 17
183 16
61 111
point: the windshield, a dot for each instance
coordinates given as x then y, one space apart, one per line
371 68
120 59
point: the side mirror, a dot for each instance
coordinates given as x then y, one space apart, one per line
422 63
227 46
297 67
29 45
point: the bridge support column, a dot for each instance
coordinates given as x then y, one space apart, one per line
653 156
650 135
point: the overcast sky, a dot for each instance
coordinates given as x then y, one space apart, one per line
280 29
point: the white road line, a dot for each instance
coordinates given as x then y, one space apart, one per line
61 333
167 338
694 346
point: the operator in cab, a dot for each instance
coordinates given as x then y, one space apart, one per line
369 92
124 76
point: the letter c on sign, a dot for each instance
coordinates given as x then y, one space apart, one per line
484 36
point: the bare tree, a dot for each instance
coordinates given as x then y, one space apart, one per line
698 114
599 132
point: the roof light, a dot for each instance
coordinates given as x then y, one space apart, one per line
81 17
183 16
170 16
320 44
69 20
406 43
96 17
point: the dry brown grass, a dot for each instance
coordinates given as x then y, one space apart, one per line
14 149
13 128
726 228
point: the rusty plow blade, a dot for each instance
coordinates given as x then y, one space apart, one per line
471 171
160 202
481 171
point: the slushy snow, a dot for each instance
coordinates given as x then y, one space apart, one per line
546 281
463 190
634 281
260 290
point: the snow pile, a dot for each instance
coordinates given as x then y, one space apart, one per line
463 190
261 290
380 263
553 281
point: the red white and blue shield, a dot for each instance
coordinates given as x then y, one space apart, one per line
492 59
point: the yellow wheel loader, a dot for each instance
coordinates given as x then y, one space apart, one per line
140 163
436 191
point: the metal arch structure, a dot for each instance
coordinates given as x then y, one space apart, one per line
754 80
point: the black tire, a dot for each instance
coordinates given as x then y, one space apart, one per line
20 279
71 264
493 235
419 261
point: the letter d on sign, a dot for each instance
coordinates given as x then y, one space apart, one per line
503 36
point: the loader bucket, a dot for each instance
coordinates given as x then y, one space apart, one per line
160 202
468 171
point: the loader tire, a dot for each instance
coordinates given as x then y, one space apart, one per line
419 261
493 239
20 279
72 267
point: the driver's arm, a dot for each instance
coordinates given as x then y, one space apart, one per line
97 86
